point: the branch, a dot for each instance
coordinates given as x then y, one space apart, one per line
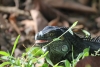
13 10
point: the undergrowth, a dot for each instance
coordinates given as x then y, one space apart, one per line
32 56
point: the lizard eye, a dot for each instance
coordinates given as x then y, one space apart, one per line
51 34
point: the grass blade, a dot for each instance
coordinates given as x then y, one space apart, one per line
4 53
4 63
67 63
15 44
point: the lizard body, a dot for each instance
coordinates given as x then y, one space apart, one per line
62 49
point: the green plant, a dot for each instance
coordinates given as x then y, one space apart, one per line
33 54
28 59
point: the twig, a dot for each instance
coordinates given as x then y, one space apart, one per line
13 10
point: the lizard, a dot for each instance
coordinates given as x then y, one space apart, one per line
62 49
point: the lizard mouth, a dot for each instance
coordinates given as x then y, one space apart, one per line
41 41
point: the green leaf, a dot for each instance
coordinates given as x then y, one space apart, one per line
30 62
45 65
18 61
45 54
49 61
15 44
4 53
4 58
74 24
85 52
42 56
87 34
36 51
34 60
56 39
77 59
79 56
4 63
56 65
67 63
70 30
60 66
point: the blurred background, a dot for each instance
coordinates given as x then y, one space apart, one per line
27 17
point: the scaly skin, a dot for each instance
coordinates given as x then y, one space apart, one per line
62 49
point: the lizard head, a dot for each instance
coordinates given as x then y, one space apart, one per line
47 34
57 49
